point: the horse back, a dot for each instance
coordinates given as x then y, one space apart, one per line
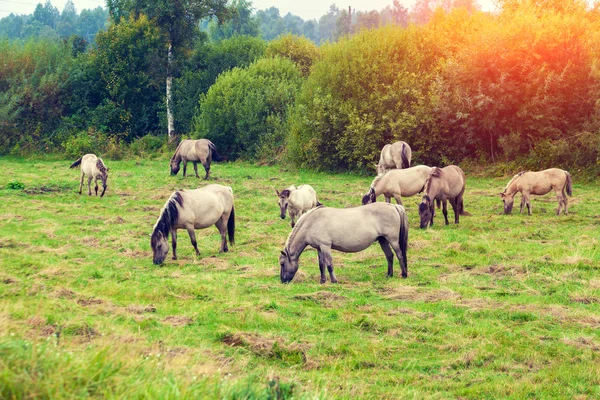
205 206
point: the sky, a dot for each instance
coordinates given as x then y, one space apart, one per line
306 9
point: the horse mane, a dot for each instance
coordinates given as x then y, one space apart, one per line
177 149
296 227
101 167
436 172
378 178
513 179
168 216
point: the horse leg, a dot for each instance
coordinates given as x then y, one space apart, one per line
293 217
398 200
454 204
445 210
184 167
90 185
81 183
192 234
388 199
174 243
327 260
565 204
96 187
528 203
389 256
322 265
522 204
396 246
560 195
196 168
207 169
221 225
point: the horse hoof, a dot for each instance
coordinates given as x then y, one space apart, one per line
404 276
323 281
334 281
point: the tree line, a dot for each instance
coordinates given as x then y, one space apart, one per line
520 84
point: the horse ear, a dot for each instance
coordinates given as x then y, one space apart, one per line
277 191
501 194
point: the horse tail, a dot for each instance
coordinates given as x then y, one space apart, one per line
405 162
403 234
569 184
76 163
319 204
213 149
231 226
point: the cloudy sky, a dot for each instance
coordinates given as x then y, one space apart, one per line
307 9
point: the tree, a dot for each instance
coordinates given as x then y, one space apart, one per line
67 24
178 20
242 22
46 14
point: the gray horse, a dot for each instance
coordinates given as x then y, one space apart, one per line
396 155
348 230
444 184
398 183
190 210
197 151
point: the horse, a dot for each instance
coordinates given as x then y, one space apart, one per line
397 183
538 183
297 201
202 150
94 168
348 230
396 155
194 209
444 184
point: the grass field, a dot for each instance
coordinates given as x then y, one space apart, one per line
496 307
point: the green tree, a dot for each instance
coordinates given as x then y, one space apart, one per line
300 50
241 23
244 113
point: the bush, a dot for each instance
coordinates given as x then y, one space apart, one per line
147 145
15 185
300 50
94 142
244 113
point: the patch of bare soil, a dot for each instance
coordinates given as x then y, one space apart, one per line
177 320
583 343
584 299
139 309
50 188
64 293
219 264
89 301
327 299
7 243
266 347
409 311
409 293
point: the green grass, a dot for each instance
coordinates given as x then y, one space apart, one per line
496 307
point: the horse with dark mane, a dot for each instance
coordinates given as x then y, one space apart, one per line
538 183
197 151
395 155
349 230
444 184
190 210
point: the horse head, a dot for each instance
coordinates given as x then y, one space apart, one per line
160 247
426 211
284 198
288 266
175 162
508 201
369 197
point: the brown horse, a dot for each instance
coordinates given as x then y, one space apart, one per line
538 183
398 183
444 184
395 155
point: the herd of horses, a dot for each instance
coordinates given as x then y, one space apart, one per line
325 228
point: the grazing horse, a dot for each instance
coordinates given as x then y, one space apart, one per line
202 150
397 183
538 183
297 201
396 155
348 230
94 168
444 184
194 209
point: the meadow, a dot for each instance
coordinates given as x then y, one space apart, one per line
495 307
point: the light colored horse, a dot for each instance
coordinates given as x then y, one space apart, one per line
94 168
348 230
297 201
538 183
197 151
444 184
396 155
190 210
397 183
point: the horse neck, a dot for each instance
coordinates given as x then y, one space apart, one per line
295 244
512 187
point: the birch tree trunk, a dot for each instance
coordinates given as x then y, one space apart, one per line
170 120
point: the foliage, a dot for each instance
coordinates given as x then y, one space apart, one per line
15 185
244 112
300 50
241 23
206 63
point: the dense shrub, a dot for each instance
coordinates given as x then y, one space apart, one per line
244 112
300 50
